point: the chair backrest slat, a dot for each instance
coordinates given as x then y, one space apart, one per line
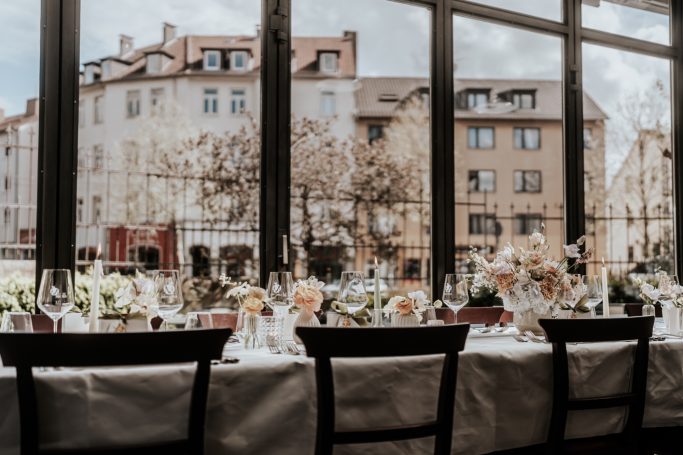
27 350
324 343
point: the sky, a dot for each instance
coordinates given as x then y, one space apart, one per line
393 40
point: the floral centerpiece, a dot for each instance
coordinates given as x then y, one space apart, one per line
132 306
308 298
670 295
251 301
407 311
528 280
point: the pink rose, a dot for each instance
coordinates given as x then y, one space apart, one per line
252 305
308 298
404 307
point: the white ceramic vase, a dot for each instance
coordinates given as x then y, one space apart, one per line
404 320
304 319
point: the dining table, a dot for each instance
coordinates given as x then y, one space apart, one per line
265 403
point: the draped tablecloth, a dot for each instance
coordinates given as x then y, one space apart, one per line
266 403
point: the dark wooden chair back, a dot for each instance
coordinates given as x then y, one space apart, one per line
473 315
559 332
219 320
43 324
323 343
26 350
636 309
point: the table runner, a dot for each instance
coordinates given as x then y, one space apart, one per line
266 403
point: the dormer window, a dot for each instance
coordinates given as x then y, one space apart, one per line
153 63
212 60
328 62
238 60
472 98
521 99
91 73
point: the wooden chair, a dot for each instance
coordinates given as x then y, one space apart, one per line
473 315
562 331
26 350
323 343
636 309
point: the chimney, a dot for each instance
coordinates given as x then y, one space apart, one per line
353 37
258 30
2 114
125 44
31 107
169 32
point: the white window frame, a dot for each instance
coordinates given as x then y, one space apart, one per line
157 98
98 109
215 53
238 101
133 103
154 63
212 99
233 59
328 103
329 62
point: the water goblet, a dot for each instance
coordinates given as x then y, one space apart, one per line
352 294
56 294
456 292
169 294
16 321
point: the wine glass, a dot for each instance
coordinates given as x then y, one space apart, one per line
280 292
593 291
352 294
16 321
56 294
169 294
456 292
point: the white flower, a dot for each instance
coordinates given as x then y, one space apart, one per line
417 296
507 253
581 240
650 292
536 239
572 251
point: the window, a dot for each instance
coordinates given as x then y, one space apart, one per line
238 60
81 113
211 101
482 181
132 103
375 132
91 73
527 138
328 105
238 102
212 60
472 98
157 99
523 99
411 269
482 223
328 62
527 223
479 137
587 138
99 109
96 209
98 157
79 210
154 63
527 181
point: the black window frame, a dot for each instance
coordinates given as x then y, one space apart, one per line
477 130
526 218
486 228
522 145
58 124
524 172
472 172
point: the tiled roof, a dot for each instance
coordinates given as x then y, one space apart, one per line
548 97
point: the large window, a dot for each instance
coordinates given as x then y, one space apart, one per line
527 138
480 137
482 181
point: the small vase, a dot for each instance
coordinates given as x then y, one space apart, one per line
250 331
528 320
404 320
673 319
304 319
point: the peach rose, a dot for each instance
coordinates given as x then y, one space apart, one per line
404 307
252 305
308 298
257 293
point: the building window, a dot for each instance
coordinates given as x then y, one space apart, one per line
79 210
238 60
527 138
212 60
99 109
153 63
238 101
482 181
587 138
91 74
479 137
375 132
328 62
527 223
328 105
527 181
472 98
132 103
81 113
411 269
96 209
482 223
211 101
98 157
157 97
7 183
522 99
7 215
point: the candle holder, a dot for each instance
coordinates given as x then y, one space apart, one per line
377 318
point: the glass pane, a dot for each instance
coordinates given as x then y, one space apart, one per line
627 168
341 181
168 173
20 63
497 59
547 9
642 19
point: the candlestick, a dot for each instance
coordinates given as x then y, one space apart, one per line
95 302
605 291
377 316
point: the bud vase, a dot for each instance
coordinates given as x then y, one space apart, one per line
404 320
304 319
250 331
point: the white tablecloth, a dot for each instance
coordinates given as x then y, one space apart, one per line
266 403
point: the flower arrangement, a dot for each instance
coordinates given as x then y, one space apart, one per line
250 298
667 292
136 298
528 279
307 295
415 303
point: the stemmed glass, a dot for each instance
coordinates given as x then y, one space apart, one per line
56 294
456 292
593 285
169 294
352 294
16 321
280 292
